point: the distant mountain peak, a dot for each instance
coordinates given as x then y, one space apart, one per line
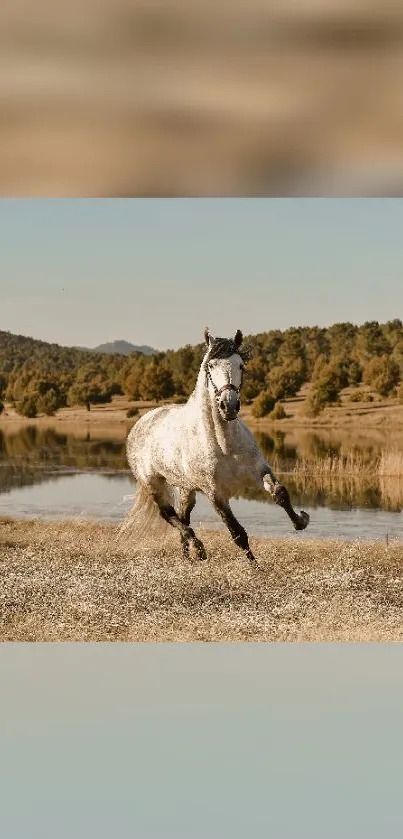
123 348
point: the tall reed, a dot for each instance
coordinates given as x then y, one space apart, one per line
340 466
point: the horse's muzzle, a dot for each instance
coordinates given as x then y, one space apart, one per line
229 412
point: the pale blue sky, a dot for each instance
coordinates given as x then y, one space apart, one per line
156 271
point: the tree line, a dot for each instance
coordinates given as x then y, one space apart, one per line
37 377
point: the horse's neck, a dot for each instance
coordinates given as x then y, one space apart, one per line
222 433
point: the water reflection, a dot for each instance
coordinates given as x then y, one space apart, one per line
338 495
283 449
28 456
35 455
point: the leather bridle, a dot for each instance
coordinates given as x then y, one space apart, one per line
227 386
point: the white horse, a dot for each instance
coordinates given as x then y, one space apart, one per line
202 446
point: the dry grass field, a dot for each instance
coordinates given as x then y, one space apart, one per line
74 582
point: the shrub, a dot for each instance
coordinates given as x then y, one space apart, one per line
286 381
313 405
89 389
359 396
254 380
354 373
324 392
327 387
263 405
50 402
132 412
27 408
156 383
179 400
382 373
278 412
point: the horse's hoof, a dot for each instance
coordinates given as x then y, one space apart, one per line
200 549
254 565
303 521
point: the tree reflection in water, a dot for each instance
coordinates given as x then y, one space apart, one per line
34 455
28 456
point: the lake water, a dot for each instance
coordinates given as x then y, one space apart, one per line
52 475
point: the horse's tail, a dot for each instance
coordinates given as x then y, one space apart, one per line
144 520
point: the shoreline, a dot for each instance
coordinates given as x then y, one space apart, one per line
375 417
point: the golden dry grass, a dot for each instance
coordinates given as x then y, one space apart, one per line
73 582
337 466
387 464
349 474
391 464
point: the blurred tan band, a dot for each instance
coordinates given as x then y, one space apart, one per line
121 98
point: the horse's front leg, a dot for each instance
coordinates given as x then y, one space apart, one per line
281 497
187 501
236 530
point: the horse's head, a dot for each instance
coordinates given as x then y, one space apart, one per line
224 364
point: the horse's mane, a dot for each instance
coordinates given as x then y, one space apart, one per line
225 347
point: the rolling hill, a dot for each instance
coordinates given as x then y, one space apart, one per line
123 348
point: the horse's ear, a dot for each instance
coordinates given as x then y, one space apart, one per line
238 338
208 337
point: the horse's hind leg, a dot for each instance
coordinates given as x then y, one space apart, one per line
169 514
236 530
187 501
